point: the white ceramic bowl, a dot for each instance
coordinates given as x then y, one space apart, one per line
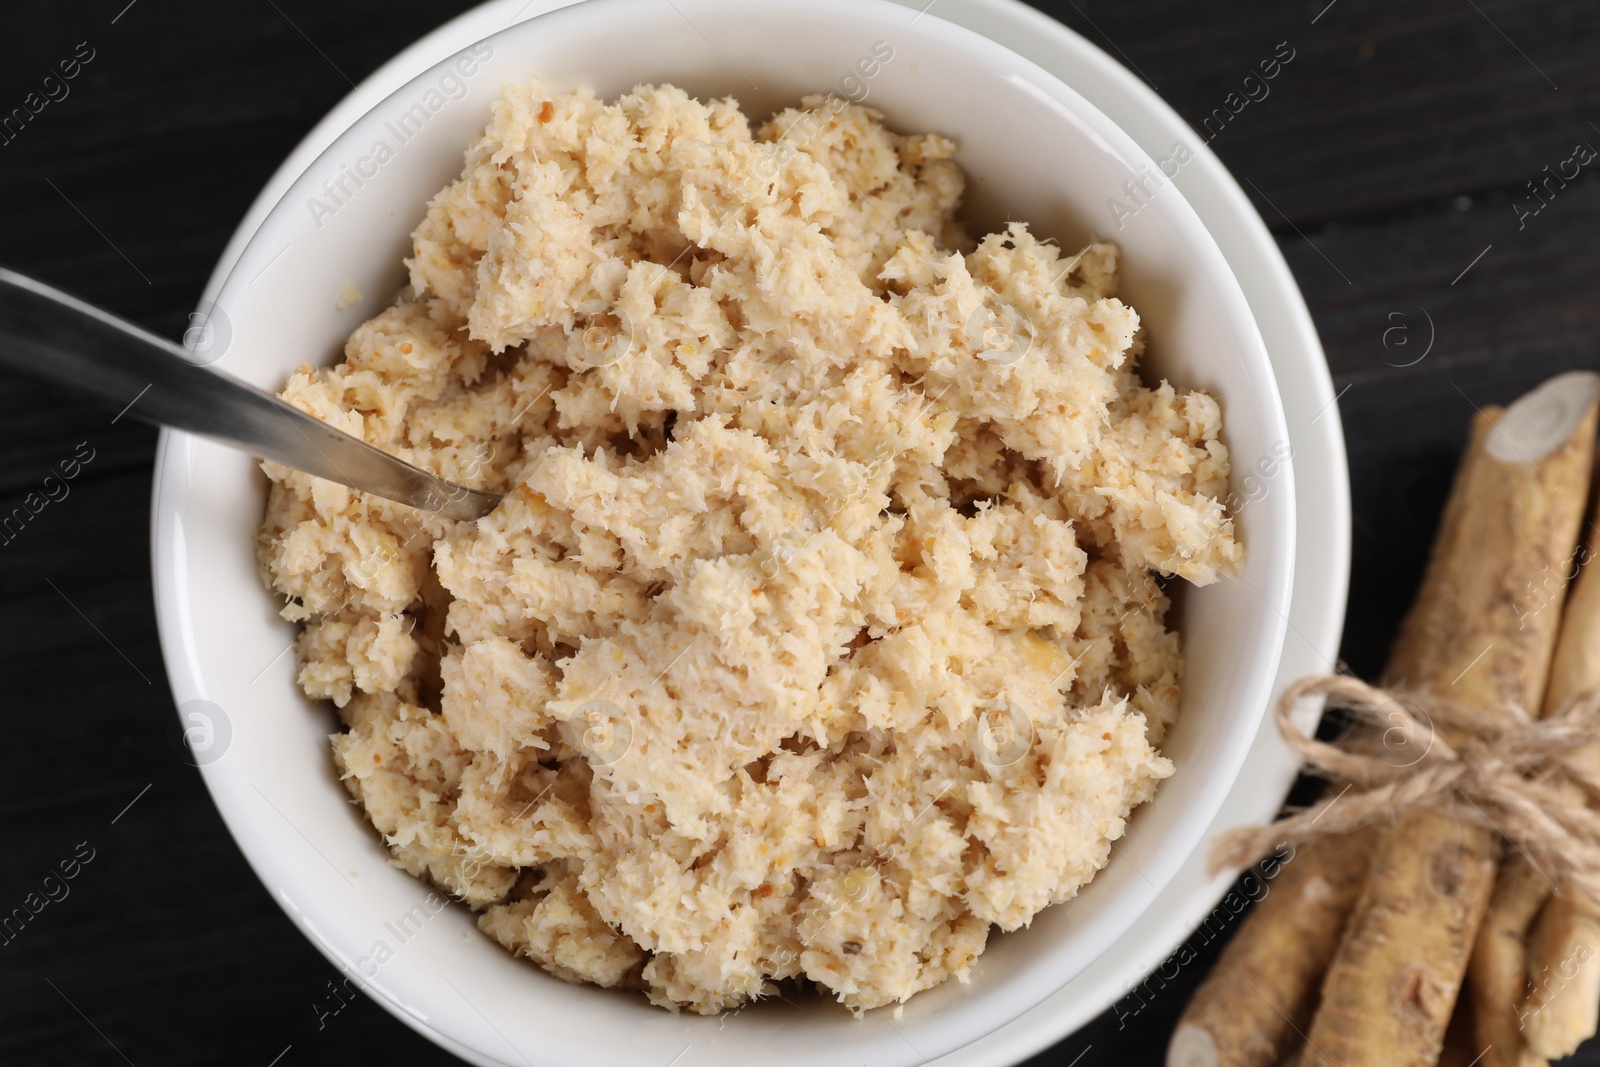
1033 150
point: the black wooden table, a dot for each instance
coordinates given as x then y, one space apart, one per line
1392 159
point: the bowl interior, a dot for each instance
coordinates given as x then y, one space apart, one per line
1033 151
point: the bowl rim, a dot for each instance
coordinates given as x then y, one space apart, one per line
171 489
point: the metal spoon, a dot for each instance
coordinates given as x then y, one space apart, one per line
47 334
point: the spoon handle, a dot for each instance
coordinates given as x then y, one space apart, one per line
47 334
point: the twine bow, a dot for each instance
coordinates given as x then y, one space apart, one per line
1506 770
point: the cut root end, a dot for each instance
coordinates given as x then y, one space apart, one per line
1192 1047
1540 421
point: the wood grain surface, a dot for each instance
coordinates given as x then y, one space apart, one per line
1391 159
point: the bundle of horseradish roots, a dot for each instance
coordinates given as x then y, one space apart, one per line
1439 905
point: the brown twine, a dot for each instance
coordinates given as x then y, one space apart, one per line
1506 771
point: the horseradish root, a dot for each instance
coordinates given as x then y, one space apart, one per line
1257 1000
1560 1010
1498 972
1562 1006
1477 635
